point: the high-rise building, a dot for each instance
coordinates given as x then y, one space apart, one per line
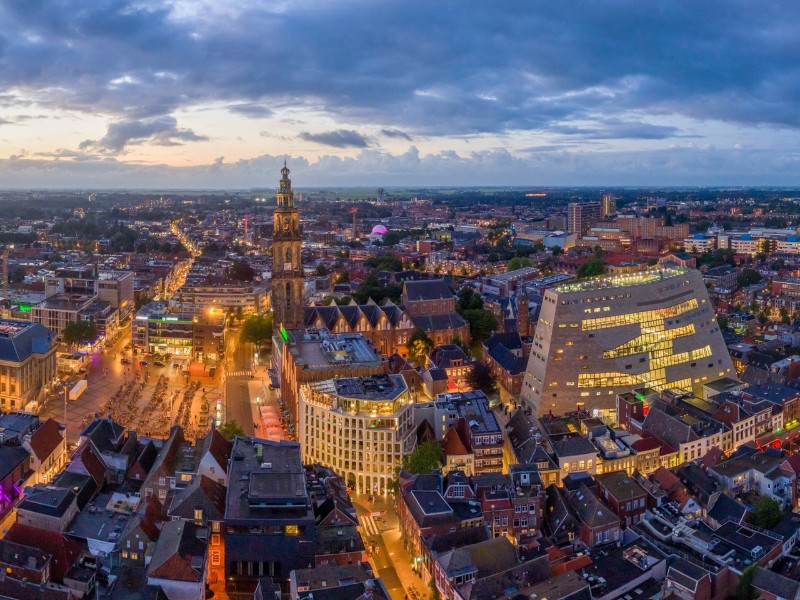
603 336
609 206
582 215
288 302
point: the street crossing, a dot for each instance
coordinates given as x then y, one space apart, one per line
239 373
370 526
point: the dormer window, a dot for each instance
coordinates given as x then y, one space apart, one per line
198 515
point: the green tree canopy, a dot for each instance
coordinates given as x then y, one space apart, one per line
482 323
592 268
79 332
766 512
518 263
230 429
385 262
481 378
257 329
418 347
748 277
241 271
425 458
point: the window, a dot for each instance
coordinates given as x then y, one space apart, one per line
198 514
162 494
162 481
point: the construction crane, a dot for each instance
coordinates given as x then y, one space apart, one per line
354 212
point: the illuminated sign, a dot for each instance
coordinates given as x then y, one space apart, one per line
284 335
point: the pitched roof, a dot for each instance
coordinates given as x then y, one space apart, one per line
33 338
453 445
64 551
46 439
427 289
179 555
202 493
10 458
725 507
218 447
775 583
440 322
590 510
86 459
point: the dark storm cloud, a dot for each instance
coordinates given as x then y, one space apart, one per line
341 138
428 68
162 131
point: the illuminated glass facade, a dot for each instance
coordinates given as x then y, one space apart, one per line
603 336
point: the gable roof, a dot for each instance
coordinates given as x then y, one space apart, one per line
203 493
64 551
426 289
218 447
725 507
775 583
453 445
46 439
10 458
178 555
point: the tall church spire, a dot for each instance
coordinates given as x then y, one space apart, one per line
288 281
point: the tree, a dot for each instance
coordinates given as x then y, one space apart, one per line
257 329
435 595
241 271
230 429
425 458
385 262
766 512
142 301
79 332
784 312
482 323
418 347
748 277
722 320
518 263
592 268
322 270
745 590
481 378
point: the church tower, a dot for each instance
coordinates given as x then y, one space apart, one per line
288 302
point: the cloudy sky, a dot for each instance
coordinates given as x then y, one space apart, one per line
214 93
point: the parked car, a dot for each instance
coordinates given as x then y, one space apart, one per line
125 361
158 363
143 363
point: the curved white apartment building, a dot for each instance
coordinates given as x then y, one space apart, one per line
359 426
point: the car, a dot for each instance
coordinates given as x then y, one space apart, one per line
143 363
125 361
158 363
176 365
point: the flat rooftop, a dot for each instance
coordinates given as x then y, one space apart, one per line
320 349
623 280
373 387
266 480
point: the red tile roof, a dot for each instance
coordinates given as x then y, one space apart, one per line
453 445
46 439
65 551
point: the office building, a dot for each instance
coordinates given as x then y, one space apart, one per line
582 215
157 330
303 356
609 205
606 335
359 426
27 363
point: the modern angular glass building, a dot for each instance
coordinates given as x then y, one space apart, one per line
606 335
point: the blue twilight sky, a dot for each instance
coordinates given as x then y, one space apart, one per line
213 93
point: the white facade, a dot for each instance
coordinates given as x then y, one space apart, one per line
362 436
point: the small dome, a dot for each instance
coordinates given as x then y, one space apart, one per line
379 229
